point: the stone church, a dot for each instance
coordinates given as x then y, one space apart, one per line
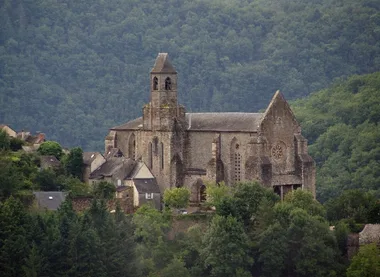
192 149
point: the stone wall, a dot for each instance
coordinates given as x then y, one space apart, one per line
80 204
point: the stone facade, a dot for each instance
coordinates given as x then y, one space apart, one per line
191 149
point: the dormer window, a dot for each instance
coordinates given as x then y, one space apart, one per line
168 84
155 83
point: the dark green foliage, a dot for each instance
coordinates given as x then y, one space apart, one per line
73 70
5 142
9 179
74 162
13 237
352 204
226 247
46 180
341 123
341 234
104 190
366 263
177 198
301 245
16 144
51 148
245 201
74 186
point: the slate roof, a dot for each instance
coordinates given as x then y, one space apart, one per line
89 157
50 200
306 158
286 179
113 152
118 167
49 161
146 185
163 65
130 125
28 137
223 122
219 122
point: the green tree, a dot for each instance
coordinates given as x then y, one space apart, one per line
217 192
177 198
10 179
174 269
245 202
351 204
4 141
51 148
34 263
16 144
104 190
299 244
226 247
366 263
74 162
46 180
304 199
14 228
74 185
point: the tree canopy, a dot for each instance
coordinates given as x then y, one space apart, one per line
73 70
341 124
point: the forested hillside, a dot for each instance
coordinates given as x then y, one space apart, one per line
72 69
342 125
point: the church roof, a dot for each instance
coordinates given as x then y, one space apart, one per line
163 65
130 125
223 122
219 122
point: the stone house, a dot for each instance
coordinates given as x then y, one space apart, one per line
8 130
188 149
131 178
91 162
145 188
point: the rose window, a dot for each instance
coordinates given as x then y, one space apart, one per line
277 152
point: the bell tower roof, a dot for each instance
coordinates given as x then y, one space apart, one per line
163 65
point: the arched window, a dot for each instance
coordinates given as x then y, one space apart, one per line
236 157
150 156
162 155
202 193
132 147
168 83
237 169
155 83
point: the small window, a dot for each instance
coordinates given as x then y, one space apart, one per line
148 195
168 83
155 83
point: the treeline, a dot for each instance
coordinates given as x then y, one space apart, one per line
342 125
72 70
251 233
21 173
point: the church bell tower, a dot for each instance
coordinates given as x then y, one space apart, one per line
163 109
